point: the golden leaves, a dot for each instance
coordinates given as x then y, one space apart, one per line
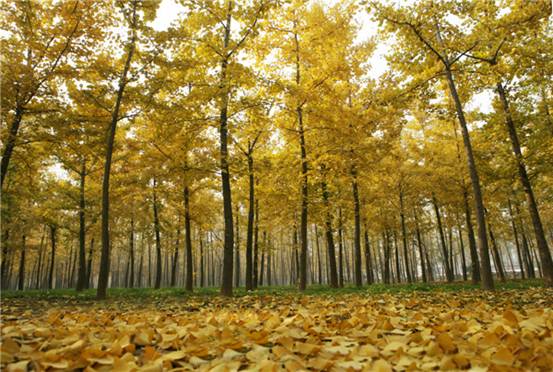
348 333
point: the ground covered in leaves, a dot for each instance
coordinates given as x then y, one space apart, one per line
436 330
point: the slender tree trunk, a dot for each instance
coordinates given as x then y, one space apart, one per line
175 262
89 264
237 249
541 241
189 284
261 268
486 271
10 143
404 236
475 261
304 167
497 256
21 279
387 268
53 257
131 254
38 281
249 232
448 273
103 276
357 231
463 258
228 248
368 258
340 250
517 243
330 239
157 284
255 273
202 268
81 280
269 262
319 267
419 245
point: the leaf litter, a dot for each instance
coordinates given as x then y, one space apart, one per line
502 331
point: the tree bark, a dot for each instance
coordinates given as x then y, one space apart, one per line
485 269
189 284
228 248
419 245
368 258
497 257
237 249
175 262
81 280
329 239
157 284
103 276
448 272
340 250
53 257
463 258
541 241
404 237
249 232
256 247
517 242
21 276
89 265
357 231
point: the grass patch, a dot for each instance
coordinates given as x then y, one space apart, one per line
313 290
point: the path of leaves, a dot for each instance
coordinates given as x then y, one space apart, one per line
509 330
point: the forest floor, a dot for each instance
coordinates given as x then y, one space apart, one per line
381 328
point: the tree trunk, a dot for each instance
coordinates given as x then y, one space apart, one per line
330 239
53 258
319 267
404 237
249 232
175 262
81 280
543 249
89 264
38 280
21 279
340 250
10 143
368 259
517 243
228 249
463 258
255 273
157 284
357 231
448 273
189 284
419 245
387 268
262 266
237 250
202 268
269 263
304 195
475 261
103 276
486 271
497 256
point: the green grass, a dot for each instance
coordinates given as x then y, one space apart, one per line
314 290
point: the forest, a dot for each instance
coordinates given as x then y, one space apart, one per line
279 158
